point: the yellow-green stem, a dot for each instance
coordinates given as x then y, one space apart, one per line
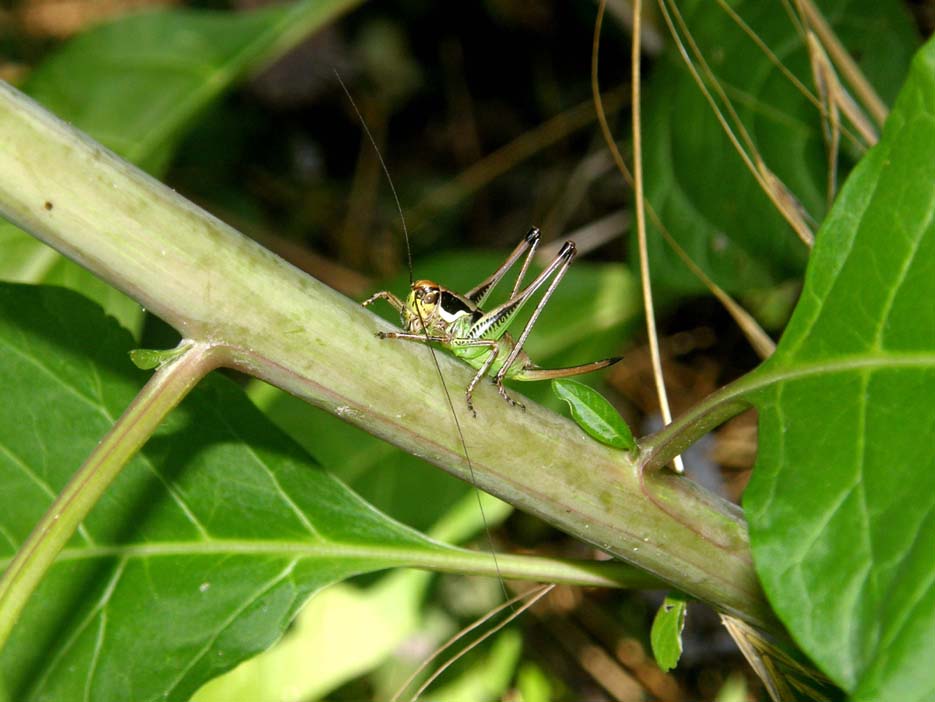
164 391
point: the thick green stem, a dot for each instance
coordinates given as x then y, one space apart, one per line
215 286
164 391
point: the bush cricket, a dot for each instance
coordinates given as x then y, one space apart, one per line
432 313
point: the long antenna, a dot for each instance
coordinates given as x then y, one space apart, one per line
386 171
438 368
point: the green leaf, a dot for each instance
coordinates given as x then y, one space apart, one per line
349 630
842 501
388 611
27 260
666 634
202 551
148 359
707 198
137 85
346 630
594 414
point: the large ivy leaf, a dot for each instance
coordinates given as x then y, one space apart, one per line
201 552
137 85
700 187
842 501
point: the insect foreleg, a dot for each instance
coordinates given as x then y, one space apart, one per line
494 348
448 340
422 338
384 295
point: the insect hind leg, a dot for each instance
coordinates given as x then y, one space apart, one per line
498 381
558 267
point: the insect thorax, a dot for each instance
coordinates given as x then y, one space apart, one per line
436 310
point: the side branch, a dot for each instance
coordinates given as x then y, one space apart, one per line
659 449
168 386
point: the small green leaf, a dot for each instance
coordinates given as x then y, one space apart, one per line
147 359
594 414
666 635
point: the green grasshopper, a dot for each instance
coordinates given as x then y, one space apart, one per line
432 313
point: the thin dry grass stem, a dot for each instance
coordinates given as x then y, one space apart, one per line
569 197
645 281
841 98
589 237
834 100
758 338
532 596
768 52
781 197
709 82
791 77
653 41
784 677
508 156
845 64
786 202
761 342
824 77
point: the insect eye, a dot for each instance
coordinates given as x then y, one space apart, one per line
430 298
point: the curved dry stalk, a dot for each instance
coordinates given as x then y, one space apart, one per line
780 195
818 103
645 280
842 59
758 338
506 157
535 594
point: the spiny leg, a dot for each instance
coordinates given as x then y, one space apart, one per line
531 236
479 294
422 338
482 371
493 325
560 265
